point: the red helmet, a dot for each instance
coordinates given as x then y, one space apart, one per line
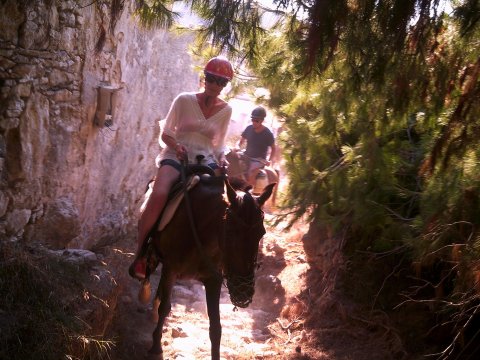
219 66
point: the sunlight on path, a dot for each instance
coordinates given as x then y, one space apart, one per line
187 337
246 333
252 333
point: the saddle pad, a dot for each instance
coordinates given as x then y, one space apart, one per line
173 203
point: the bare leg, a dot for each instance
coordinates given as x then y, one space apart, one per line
165 178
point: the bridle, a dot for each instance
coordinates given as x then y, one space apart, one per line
230 214
241 288
236 284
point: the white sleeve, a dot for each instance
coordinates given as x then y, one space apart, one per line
171 121
222 134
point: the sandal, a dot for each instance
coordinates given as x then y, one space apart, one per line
138 269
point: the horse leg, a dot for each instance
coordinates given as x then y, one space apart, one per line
273 177
212 290
164 292
155 306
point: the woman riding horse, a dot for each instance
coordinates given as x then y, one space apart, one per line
196 124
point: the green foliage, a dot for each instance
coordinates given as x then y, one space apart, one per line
155 13
382 144
360 131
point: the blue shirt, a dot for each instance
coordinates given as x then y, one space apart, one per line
257 143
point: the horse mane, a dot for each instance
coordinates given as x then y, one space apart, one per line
239 184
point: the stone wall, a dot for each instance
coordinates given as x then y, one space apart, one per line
64 180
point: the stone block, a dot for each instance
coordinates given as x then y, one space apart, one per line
3 147
59 225
10 24
7 123
68 39
57 78
4 200
67 19
23 89
62 95
25 70
27 34
16 220
6 63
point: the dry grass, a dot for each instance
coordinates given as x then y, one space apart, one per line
40 297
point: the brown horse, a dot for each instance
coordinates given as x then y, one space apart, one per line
237 169
209 239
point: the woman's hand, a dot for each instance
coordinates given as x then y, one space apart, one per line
222 161
181 151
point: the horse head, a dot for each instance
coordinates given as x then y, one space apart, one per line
235 167
244 230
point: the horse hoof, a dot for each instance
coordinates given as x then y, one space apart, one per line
145 292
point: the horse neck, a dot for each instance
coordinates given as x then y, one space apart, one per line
234 167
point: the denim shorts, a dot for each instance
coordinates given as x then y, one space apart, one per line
178 167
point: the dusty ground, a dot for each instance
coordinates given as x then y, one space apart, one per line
297 311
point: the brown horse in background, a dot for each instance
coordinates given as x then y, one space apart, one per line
237 169
209 239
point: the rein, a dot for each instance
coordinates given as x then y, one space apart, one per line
191 220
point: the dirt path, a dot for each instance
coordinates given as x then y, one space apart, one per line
295 314
248 333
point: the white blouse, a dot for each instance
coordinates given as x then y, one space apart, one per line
186 123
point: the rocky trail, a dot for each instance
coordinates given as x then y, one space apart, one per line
254 332
288 319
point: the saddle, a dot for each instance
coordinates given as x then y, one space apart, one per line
194 174
175 198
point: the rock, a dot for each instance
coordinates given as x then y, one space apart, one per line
80 256
200 306
178 332
23 89
268 290
182 292
77 256
59 225
4 200
49 147
16 220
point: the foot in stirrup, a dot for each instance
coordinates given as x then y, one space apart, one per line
138 269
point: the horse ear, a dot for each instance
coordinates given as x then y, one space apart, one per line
267 192
231 193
